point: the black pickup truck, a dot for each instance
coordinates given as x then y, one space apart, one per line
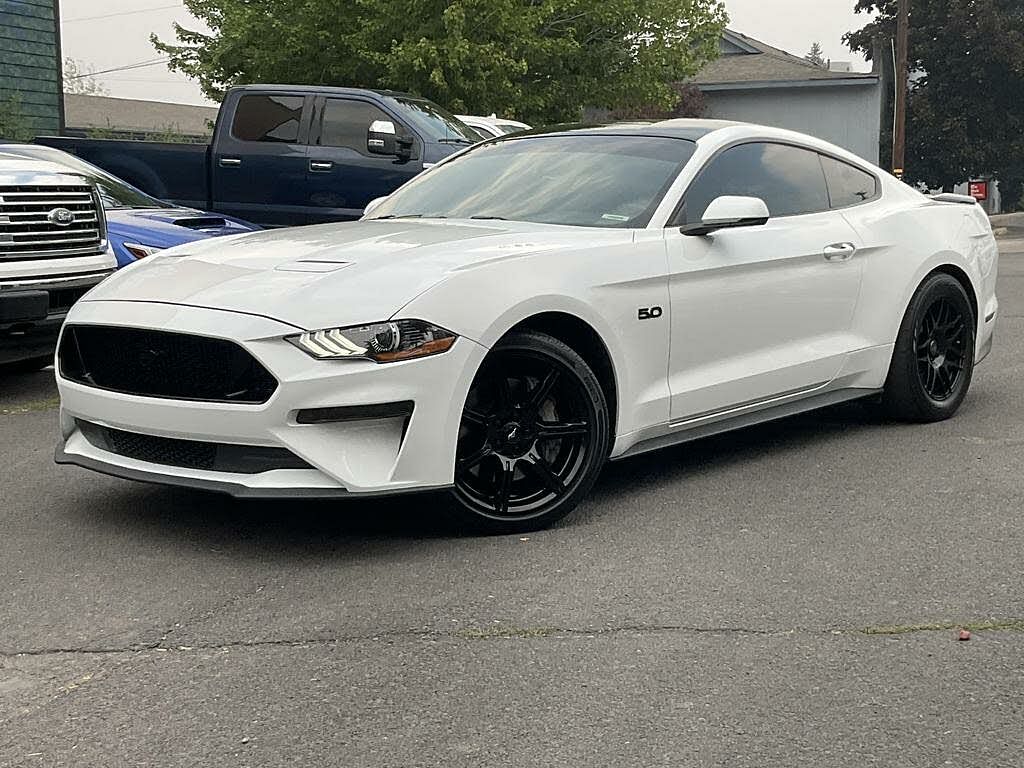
284 155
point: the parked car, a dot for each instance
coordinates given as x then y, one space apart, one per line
490 127
53 248
284 155
512 318
138 225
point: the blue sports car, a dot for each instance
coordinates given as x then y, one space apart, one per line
137 225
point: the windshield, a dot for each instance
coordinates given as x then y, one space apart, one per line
114 192
583 180
436 123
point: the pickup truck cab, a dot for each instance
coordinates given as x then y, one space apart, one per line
53 249
285 155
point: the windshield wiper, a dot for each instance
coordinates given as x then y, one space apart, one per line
492 218
408 216
455 140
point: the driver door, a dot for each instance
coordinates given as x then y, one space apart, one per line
761 312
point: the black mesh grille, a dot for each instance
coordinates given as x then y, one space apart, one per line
163 364
191 454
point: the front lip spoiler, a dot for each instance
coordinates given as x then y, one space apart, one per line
237 490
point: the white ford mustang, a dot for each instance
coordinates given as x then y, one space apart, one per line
509 320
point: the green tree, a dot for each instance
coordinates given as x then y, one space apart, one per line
965 109
15 125
538 60
80 78
816 55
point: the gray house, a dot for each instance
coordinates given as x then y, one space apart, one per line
30 63
754 82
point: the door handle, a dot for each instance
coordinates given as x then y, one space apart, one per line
230 162
319 166
839 251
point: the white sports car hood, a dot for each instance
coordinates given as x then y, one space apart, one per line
332 274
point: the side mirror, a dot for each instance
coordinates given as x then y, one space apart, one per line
382 139
373 204
729 212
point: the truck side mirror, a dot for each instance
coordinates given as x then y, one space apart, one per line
382 139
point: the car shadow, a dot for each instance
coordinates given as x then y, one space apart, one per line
305 527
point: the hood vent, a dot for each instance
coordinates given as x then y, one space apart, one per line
202 222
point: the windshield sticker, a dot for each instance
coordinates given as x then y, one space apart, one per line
614 217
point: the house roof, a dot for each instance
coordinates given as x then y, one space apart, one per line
136 116
748 63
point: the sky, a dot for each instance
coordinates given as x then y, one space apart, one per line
105 34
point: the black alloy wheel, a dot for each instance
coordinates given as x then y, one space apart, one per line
933 360
533 437
940 341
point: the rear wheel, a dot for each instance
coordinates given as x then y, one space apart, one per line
933 361
533 438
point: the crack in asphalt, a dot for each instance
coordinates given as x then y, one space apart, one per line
517 633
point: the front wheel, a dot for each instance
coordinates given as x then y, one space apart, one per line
533 438
933 360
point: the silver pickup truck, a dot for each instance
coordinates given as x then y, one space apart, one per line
53 248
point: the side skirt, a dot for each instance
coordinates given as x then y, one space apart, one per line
675 434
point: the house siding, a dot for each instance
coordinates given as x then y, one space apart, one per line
30 63
847 116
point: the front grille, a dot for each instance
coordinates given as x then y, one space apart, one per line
162 364
190 454
62 299
26 232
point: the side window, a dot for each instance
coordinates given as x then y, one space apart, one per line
268 118
788 179
847 185
346 121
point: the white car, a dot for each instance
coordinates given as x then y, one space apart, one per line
490 127
506 322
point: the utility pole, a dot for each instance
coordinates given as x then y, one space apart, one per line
899 137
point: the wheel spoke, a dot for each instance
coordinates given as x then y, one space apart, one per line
474 417
543 389
556 431
503 486
473 459
539 468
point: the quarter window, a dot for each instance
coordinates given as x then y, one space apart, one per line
345 123
789 180
268 118
847 185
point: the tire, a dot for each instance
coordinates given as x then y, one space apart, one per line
29 365
933 361
533 439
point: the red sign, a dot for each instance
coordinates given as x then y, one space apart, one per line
978 190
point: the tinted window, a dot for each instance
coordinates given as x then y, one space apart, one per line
581 180
847 185
788 179
345 123
434 122
268 118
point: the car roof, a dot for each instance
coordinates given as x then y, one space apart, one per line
323 89
678 128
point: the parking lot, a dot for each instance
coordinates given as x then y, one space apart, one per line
786 595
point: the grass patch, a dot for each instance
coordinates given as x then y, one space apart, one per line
1006 625
39 405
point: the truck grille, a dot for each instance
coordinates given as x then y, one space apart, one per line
177 366
45 222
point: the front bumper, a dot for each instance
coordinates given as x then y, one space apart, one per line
371 456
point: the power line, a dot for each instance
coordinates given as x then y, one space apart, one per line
122 13
125 68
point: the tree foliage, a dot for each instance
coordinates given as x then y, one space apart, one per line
816 55
538 60
15 125
79 78
965 111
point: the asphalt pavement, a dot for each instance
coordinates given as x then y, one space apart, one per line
788 595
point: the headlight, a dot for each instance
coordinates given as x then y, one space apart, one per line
381 342
141 251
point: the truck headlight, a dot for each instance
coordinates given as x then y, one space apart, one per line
385 342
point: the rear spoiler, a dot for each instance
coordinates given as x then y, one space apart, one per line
949 197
